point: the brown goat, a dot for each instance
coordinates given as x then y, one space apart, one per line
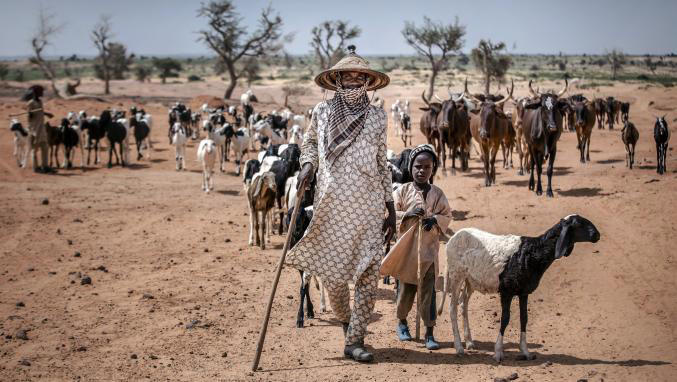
629 136
261 198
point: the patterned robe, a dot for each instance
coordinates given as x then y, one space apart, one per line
345 238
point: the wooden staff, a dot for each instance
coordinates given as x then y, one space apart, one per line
25 112
418 278
280 264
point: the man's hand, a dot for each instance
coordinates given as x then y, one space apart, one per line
429 223
390 223
414 212
306 175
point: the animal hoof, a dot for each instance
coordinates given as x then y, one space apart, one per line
460 351
549 194
469 345
299 324
527 357
499 357
539 192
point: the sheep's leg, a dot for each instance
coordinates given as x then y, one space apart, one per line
632 156
303 290
627 156
505 319
323 303
123 153
467 292
523 328
251 224
97 159
453 313
110 156
310 311
263 234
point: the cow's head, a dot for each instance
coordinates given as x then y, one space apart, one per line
489 106
550 105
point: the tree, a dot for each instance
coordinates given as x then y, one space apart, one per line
650 64
329 53
230 40
168 67
488 59
434 41
616 59
101 34
118 60
142 72
41 39
4 71
250 70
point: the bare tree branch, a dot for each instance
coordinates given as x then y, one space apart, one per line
41 39
334 30
101 35
229 40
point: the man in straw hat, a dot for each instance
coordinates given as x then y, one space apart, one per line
346 146
36 127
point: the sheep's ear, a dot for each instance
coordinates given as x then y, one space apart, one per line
564 244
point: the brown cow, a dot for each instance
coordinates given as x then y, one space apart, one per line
508 142
520 141
600 109
542 124
585 120
613 111
488 128
454 128
428 122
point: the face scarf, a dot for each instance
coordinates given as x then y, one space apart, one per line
347 115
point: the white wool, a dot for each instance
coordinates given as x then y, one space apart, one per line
281 149
261 155
479 257
267 163
390 154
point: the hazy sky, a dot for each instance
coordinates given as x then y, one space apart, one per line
169 26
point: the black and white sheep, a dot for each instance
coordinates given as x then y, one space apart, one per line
509 265
95 132
21 144
116 132
70 138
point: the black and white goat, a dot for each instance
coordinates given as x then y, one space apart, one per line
661 134
116 133
251 168
95 132
21 144
141 134
71 139
509 265
303 219
239 142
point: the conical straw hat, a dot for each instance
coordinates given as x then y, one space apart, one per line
352 63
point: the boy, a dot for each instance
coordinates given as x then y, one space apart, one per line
419 201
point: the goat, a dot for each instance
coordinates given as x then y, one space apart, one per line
179 140
21 143
116 132
661 134
95 132
395 112
71 139
246 97
251 167
303 219
240 140
265 128
296 135
509 265
206 154
218 135
141 132
405 126
54 140
625 111
629 136
261 198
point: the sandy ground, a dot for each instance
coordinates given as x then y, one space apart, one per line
162 255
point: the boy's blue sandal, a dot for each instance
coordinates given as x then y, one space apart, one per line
403 332
431 344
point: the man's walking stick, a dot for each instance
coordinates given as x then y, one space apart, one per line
280 264
418 278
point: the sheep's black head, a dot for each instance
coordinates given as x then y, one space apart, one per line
575 229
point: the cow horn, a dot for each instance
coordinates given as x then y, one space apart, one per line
438 98
566 86
512 87
472 96
425 100
532 91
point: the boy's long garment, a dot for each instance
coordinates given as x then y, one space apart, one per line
401 261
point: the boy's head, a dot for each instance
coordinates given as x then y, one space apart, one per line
422 163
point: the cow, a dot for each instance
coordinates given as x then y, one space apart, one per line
454 128
428 122
584 112
520 142
600 109
625 111
488 127
613 108
542 124
661 134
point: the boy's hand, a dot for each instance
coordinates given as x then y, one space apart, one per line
414 212
429 223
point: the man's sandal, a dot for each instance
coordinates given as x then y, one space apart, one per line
358 353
